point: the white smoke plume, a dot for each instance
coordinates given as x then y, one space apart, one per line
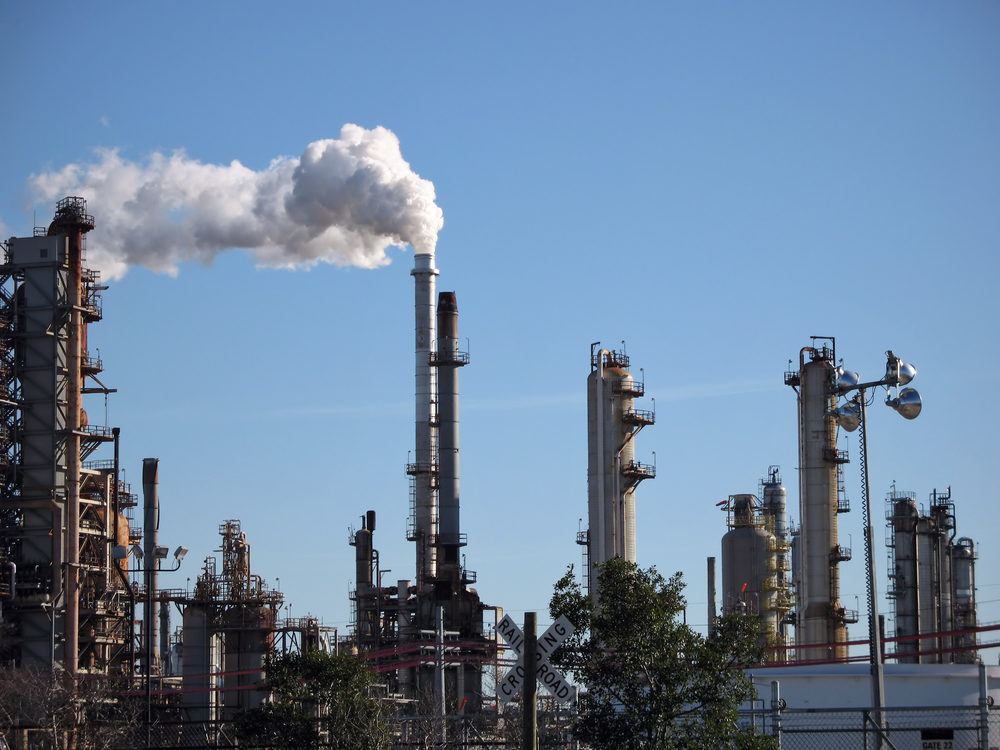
344 201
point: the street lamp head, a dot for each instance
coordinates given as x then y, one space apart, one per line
898 372
907 403
848 416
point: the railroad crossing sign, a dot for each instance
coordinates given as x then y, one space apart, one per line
553 680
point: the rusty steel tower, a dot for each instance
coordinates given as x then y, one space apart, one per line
67 599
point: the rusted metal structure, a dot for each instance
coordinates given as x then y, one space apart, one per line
61 515
230 621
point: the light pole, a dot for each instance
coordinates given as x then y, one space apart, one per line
159 554
850 416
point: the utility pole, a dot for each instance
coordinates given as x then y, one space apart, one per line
439 676
530 705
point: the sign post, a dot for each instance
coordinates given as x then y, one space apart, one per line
529 708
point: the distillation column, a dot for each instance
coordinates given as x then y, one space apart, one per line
775 514
612 471
903 590
821 630
932 581
964 577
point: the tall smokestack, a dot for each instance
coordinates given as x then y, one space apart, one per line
424 468
150 541
448 359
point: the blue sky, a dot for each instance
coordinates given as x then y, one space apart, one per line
713 183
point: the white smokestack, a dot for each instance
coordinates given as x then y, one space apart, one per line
343 201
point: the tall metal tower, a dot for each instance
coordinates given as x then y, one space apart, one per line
613 471
68 599
821 625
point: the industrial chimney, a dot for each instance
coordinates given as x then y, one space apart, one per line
424 468
448 359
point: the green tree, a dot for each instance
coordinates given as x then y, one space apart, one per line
317 700
649 680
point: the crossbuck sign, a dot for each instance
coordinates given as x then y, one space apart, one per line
545 673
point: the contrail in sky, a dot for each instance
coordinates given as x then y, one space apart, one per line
344 201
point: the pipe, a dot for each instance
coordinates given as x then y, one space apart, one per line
711 595
597 510
984 708
74 408
776 706
13 583
164 645
116 434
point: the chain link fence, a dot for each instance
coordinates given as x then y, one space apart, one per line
944 728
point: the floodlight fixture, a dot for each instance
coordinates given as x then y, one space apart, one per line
179 553
847 380
898 372
907 403
119 552
160 553
848 416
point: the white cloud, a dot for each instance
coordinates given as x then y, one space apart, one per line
345 201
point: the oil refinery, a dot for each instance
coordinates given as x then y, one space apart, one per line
79 583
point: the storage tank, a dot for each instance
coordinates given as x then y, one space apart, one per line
198 668
248 635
